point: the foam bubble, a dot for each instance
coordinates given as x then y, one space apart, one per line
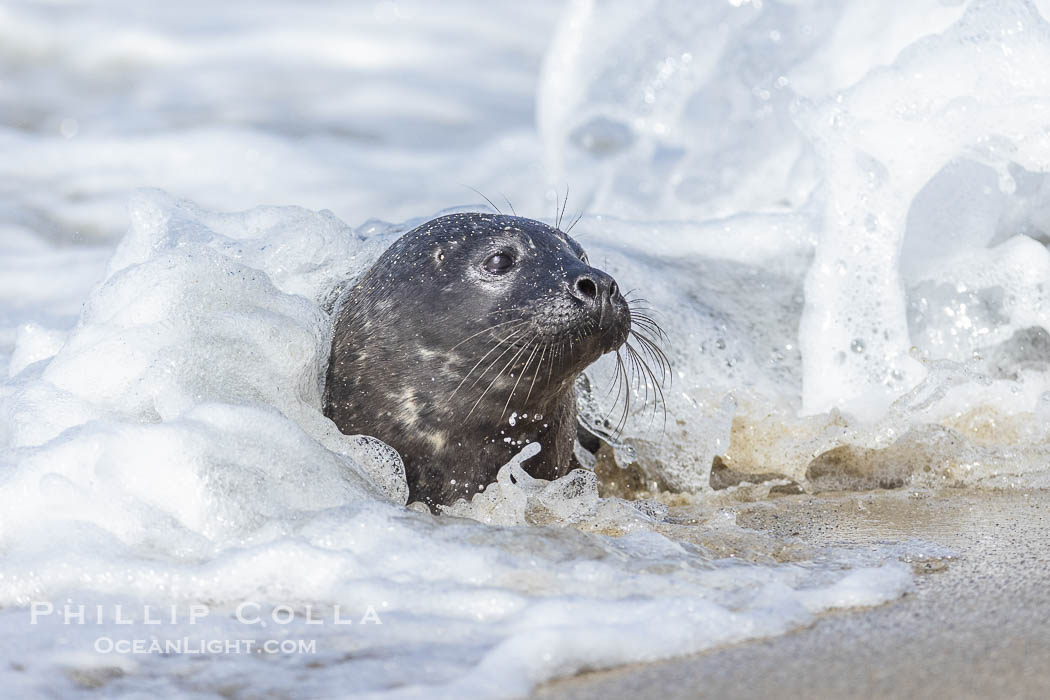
171 452
836 210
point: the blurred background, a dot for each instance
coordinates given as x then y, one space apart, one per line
765 129
839 209
370 109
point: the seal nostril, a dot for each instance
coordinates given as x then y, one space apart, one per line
587 287
613 289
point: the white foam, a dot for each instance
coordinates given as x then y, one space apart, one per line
172 452
922 240
837 210
959 94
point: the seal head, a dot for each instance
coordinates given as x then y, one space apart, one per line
462 344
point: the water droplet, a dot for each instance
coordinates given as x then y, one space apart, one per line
857 345
69 127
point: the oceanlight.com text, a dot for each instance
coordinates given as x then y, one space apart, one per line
211 647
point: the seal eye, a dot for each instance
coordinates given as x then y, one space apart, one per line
499 263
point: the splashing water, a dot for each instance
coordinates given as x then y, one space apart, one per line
836 210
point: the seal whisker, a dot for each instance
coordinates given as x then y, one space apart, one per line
496 378
507 200
649 324
655 354
564 203
510 346
615 387
641 310
486 198
618 386
651 345
622 386
637 377
622 423
573 224
555 353
536 373
485 330
637 362
649 330
651 376
636 373
644 314
491 350
521 374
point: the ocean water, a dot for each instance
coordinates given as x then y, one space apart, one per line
838 211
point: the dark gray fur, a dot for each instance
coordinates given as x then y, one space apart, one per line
417 358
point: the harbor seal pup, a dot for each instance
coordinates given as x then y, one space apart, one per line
462 343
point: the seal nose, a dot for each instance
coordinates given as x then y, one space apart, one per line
595 287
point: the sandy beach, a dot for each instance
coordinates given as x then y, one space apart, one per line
976 626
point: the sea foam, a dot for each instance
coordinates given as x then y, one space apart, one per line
837 211
171 453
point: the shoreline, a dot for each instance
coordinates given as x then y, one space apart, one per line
976 626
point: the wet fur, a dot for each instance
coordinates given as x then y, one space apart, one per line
436 357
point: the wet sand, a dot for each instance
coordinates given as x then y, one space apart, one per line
978 627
